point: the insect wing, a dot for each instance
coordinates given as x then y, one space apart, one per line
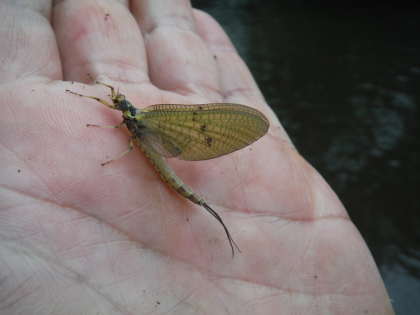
201 132
160 143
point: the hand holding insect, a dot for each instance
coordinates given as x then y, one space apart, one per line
114 238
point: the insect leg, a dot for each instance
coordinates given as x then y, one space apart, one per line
130 148
113 94
94 98
105 126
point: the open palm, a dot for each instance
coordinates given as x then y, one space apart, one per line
77 237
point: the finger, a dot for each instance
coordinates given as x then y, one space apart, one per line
28 47
178 58
237 84
100 38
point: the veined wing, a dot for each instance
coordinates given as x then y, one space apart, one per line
159 143
201 132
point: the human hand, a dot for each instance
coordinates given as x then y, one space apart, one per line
80 238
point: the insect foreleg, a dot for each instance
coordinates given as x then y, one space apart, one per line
113 94
130 148
94 98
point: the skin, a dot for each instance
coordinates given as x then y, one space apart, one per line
77 237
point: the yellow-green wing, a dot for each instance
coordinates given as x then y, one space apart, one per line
201 132
159 143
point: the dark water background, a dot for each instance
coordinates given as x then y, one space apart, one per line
345 83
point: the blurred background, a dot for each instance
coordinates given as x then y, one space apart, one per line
345 83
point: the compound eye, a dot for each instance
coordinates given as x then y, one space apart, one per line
123 105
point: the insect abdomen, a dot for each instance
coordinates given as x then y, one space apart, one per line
169 176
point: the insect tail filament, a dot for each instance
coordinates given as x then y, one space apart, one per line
232 243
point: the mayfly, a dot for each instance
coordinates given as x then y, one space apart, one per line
188 132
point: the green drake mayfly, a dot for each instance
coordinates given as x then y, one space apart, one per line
188 132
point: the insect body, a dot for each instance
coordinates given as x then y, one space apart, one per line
188 132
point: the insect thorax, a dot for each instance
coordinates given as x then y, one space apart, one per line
135 126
